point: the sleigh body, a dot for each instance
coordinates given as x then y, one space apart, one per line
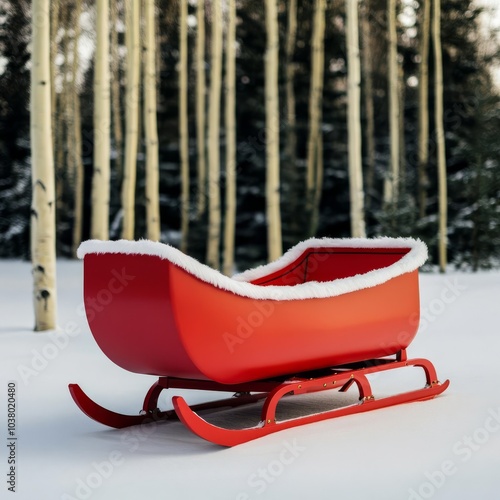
327 306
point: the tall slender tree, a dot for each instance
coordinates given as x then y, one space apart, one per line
401 128
392 177
439 126
63 110
423 106
43 231
290 170
132 38
200 106
230 121
116 90
54 50
77 134
101 176
274 242
150 123
214 209
315 115
354 121
367 66
291 36
183 122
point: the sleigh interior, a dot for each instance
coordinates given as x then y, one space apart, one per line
332 307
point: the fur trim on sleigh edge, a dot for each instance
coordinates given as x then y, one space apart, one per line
239 284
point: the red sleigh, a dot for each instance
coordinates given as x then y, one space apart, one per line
321 318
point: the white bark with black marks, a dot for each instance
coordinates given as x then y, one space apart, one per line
43 231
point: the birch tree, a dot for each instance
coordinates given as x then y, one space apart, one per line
423 109
183 122
401 128
290 171
315 114
274 242
354 121
43 231
438 119
77 134
54 50
392 177
291 36
150 122
200 106
115 91
100 179
132 39
63 110
366 61
314 154
214 210
230 122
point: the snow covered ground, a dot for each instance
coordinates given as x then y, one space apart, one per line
447 448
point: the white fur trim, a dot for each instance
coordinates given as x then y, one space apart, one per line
240 285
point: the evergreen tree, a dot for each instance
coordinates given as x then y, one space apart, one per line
14 129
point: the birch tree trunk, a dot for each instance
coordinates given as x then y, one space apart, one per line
230 123
100 179
290 172
391 181
423 108
315 112
354 121
69 114
214 209
200 106
43 231
318 185
54 49
366 60
62 114
77 135
183 122
132 33
274 242
438 118
291 36
115 93
401 129
150 123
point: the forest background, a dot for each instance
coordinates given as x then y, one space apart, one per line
471 121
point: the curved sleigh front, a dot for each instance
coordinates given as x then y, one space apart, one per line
326 303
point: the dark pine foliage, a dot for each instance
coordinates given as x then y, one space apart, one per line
14 130
472 121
